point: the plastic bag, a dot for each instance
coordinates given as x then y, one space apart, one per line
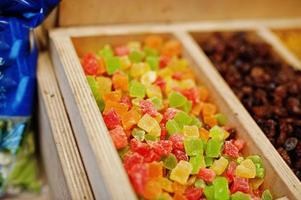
18 59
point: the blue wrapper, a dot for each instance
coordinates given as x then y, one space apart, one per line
18 60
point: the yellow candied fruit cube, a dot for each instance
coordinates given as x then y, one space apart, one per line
125 62
153 91
220 165
105 85
191 131
256 183
187 83
246 169
150 125
165 72
166 184
138 69
181 172
148 78
165 196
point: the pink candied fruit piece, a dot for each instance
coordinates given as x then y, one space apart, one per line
192 94
148 107
230 172
180 155
163 61
230 149
177 142
240 184
111 119
207 175
127 101
160 82
119 137
239 143
121 50
192 193
139 176
169 114
132 159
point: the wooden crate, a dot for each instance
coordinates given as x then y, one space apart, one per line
64 170
103 165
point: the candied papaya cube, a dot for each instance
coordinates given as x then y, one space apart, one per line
119 137
217 133
197 108
204 134
172 127
213 148
153 41
210 121
138 69
111 119
112 64
120 108
207 175
93 65
137 89
130 119
150 125
155 169
209 109
181 172
104 85
120 81
166 184
178 188
153 91
152 189
246 169
197 162
220 165
191 131
204 93
171 48
138 134
176 99
193 146
113 96
182 119
221 188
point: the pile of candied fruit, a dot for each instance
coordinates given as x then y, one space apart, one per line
172 140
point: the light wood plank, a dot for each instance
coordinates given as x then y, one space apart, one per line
103 164
64 168
92 12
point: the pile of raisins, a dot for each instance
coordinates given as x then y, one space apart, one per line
268 88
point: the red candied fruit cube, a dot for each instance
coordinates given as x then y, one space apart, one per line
111 119
127 101
92 65
177 76
192 193
119 137
148 107
180 155
169 114
121 50
139 177
207 175
140 147
239 143
230 149
240 184
163 131
192 94
160 82
132 159
152 156
177 142
163 147
230 173
163 61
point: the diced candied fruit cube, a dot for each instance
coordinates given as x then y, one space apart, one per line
121 109
221 188
119 137
138 177
137 89
130 119
204 134
112 64
171 48
153 41
150 125
176 100
180 155
230 149
147 107
93 65
172 127
191 131
197 162
112 96
207 175
193 193
166 184
181 172
121 50
246 169
230 172
213 148
220 165
120 81
170 162
111 119
155 169
132 159
193 146
240 184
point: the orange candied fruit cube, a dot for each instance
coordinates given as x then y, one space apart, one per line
209 109
112 96
204 93
178 196
120 81
153 41
130 119
210 120
178 188
152 189
204 134
171 48
120 108
155 169
197 108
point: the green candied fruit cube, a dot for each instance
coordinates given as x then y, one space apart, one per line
96 92
213 148
106 52
138 134
151 138
136 56
217 133
209 192
196 121
101 104
157 102
182 119
122 152
170 161
199 183
193 146
221 188
266 195
172 127
187 106
240 196
197 162
112 64
209 161
176 99
221 119
150 52
260 171
153 62
137 89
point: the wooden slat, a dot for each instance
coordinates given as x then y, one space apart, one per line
62 161
92 12
105 171
279 177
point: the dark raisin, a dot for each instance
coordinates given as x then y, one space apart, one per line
290 143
